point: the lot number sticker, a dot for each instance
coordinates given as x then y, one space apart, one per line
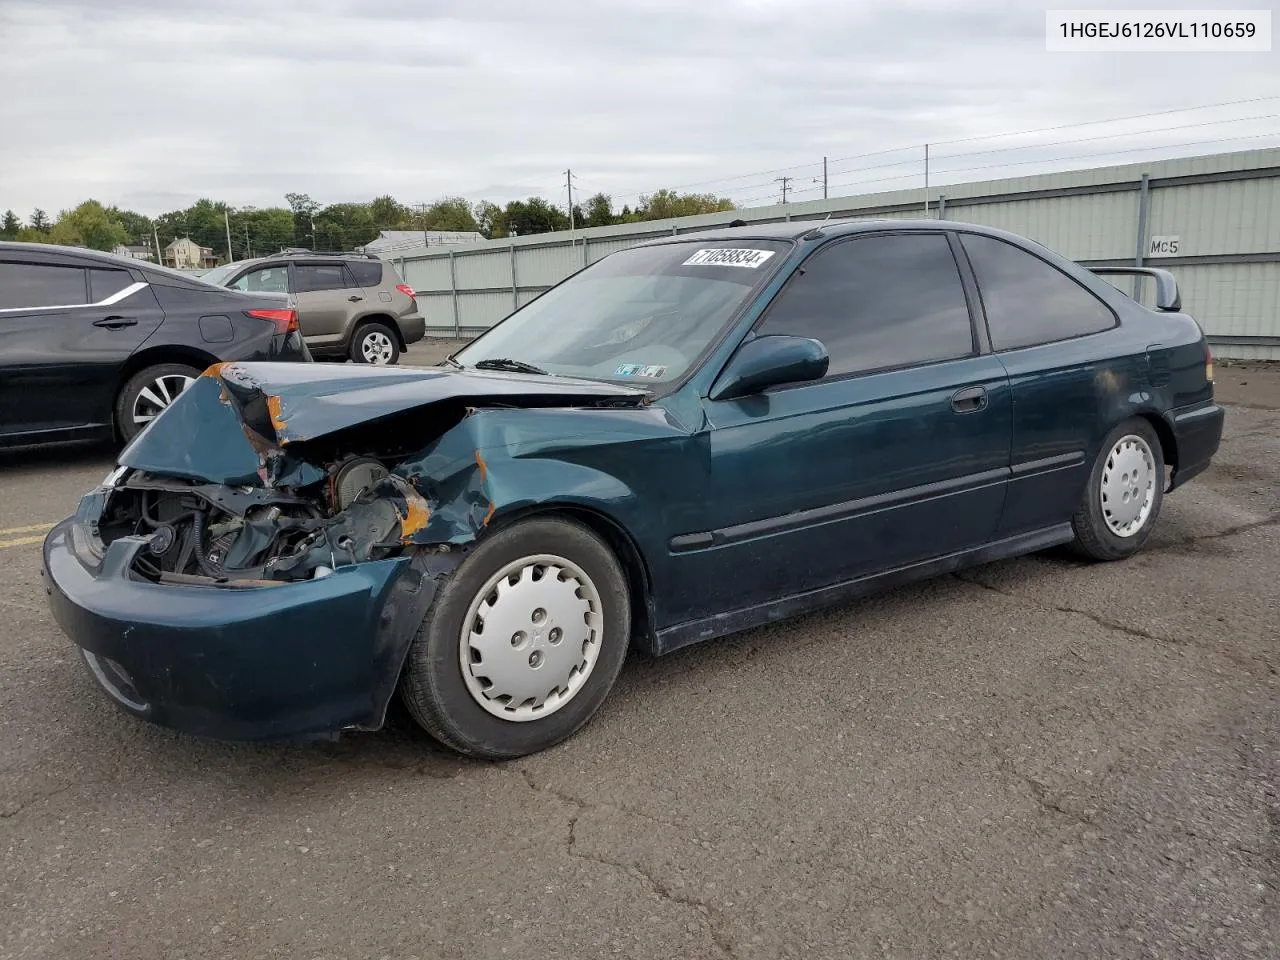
729 257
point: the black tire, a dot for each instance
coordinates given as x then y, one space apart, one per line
1094 538
130 393
432 684
379 330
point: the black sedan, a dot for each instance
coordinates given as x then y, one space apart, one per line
94 347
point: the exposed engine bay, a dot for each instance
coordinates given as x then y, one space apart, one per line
358 512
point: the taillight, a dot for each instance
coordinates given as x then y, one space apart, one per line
286 321
406 290
1208 363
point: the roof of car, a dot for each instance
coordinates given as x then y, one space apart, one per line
794 229
83 252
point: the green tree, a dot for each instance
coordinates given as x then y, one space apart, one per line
664 204
342 226
449 213
598 211
135 224
304 218
389 214
88 225
534 215
39 220
489 218
10 226
256 233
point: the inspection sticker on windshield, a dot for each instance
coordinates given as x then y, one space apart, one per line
729 257
648 371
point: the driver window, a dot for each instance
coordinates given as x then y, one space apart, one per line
270 279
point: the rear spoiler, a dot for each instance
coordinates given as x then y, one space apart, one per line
1167 296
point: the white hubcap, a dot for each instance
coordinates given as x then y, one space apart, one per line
1128 485
157 395
531 638
376 347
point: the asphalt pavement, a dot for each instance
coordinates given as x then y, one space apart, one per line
1039 758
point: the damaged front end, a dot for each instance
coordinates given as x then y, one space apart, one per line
266 474
259 563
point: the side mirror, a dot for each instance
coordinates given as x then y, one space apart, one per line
766 361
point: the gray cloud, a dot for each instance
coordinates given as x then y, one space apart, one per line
153 103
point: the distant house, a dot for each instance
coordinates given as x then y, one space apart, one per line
392 243
185 254
133 252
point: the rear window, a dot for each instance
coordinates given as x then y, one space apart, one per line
368 273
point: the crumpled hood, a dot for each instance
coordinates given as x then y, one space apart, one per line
233 424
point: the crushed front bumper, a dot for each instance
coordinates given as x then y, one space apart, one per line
301 660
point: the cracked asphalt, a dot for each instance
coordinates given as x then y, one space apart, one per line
1039 758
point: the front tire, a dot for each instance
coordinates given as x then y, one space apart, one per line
522 643
148 393
1123 496
375 343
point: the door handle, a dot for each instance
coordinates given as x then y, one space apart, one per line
116 323
969 399
354 299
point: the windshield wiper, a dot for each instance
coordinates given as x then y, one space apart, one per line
452 362
502 363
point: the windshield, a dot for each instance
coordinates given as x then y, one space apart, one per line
219 274
642 315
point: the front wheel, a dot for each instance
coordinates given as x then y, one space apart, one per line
148 393
1125 490
375 343
522 643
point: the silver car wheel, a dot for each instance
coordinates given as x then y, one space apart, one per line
157 395
376 348
531 638
1128 488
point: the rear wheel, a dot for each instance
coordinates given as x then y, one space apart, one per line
522 644
148 393
375 343
1124 494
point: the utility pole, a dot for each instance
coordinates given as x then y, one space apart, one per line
226 219
248 250
786 183
926 180
423 208
568 179
156 233
824 178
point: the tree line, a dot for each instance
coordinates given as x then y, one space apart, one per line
339 226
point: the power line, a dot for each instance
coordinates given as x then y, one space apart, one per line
993 136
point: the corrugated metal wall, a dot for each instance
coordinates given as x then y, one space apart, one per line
1225 210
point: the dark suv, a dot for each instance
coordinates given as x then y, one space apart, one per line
350 305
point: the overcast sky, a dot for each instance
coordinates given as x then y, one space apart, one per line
150 104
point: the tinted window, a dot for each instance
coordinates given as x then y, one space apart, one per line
878 302
106 283
271 279
37 285
1026 300
319 276
368 273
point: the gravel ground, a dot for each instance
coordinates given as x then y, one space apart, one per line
1039 758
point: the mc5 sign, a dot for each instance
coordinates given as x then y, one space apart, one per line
1163 246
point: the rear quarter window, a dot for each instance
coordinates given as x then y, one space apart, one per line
1028 301
368 273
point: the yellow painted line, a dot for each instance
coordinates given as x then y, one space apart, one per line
20 542
32 528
